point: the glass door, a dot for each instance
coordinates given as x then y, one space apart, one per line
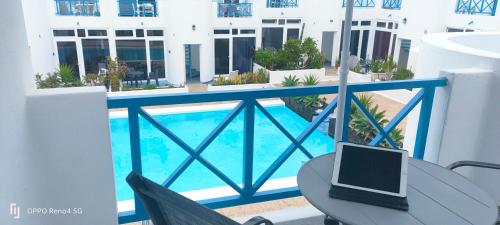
68 55
243 51
222 56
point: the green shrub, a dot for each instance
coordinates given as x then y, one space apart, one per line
150 87
63 77
51 81
293 56
388 66
376 66
403 74
115 83
262 76
290 81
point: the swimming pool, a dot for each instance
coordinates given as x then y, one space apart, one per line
161 156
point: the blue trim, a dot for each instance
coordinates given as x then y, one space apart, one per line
234 9
77 8
477 7
282 4
391 4
361 3
248 102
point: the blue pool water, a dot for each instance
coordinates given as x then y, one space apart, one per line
161 156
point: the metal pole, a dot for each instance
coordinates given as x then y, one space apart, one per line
344 71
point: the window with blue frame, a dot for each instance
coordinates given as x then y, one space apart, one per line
139 8
234 8
77 7
361 3
282 3
391 4
477 7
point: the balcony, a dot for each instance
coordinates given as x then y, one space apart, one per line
477 7
234 9
77 7
250 188
361 3
137 8
282 4
391 4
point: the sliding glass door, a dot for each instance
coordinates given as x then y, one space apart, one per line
95 54
222 56
243 51
272 37
68 55
133 54
157 55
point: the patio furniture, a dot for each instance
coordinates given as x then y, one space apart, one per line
166 207
477 165
436 196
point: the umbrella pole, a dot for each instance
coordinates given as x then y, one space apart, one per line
344 71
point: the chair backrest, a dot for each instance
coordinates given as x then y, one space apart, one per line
166 207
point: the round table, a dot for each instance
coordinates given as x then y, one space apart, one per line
436 196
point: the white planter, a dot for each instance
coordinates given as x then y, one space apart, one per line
238 87
276 77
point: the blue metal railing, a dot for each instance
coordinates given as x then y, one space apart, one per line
391 4
142 8
77 8
361 3
479 7
234 9
248 192
282 4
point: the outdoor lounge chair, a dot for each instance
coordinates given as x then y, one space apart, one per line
478 165
166 207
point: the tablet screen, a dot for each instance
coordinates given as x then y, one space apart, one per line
370 168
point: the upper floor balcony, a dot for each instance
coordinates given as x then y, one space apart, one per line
282 4
77 7
477 7
138 8
361 3
234 9
391 4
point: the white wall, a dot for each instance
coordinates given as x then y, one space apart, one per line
464 122
56 150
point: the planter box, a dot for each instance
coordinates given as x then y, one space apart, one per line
276 77
353 138
380 76
302 110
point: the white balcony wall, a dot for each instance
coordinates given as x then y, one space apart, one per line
56 150
464 123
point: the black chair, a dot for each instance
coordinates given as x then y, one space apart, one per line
166 207
478 165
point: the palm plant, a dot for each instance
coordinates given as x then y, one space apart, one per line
290 81
310 80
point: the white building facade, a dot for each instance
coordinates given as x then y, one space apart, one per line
193 40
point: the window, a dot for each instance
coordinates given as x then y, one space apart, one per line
366 23
234 31
281 22
68 55
293 21
139 8
95 54
77 7
292 33
64 33
157 55
272 38
247 31
124 33
268 21
390 25
97 32
133 54
221 31
155 33
381 24
81 32
139 32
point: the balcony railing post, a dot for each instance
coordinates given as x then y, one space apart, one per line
347 115
423 122
135 148
248 139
